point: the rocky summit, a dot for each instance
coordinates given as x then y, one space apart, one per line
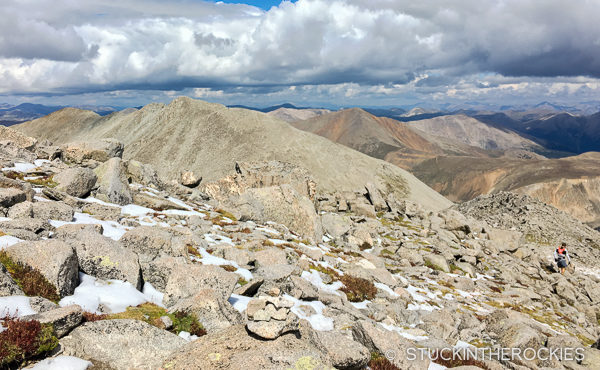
109 263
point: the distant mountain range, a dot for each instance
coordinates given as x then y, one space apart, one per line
13 114
464 156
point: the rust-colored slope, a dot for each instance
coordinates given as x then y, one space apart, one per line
378 137
571 184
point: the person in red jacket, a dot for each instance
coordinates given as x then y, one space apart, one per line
561 257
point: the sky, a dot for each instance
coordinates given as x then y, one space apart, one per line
308 52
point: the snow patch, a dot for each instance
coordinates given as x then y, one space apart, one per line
318 321
62 363
7 241
239 302
115 295
314 278
15 306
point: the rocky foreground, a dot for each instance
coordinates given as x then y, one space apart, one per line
107 266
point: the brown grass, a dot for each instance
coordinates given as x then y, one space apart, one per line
23 340
380 362
365 246
358 289
456 361
30 280
228 268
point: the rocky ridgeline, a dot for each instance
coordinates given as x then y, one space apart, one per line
104 264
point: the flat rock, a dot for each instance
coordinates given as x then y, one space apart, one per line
344 352
121 344
187 280
100 151
377 339
53 211
233 348
63 319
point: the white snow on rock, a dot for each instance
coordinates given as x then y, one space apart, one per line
361 305
15 306
21 167
187 336
7 240
112 229
239 302
209 259
314 278
386 289
153 295
115 295
416 338
318 321
62 363
434 366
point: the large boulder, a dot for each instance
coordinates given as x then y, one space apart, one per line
151 242
112 182
121 344
100 151
55 259
63 319
77 182
344 352
233 348
187 280
375 197
335 225
144 174
504 240
11 196
281 204
436 262
211 309
377 339
17 138
6 182
270 191
52 211
106 258
189 179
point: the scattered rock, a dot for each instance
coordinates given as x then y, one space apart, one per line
270 317
211 309
112 182
63 319
77 182
100 151
190 179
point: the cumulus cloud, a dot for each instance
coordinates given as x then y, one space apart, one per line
372 48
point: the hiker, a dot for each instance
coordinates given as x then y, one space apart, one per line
561 257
